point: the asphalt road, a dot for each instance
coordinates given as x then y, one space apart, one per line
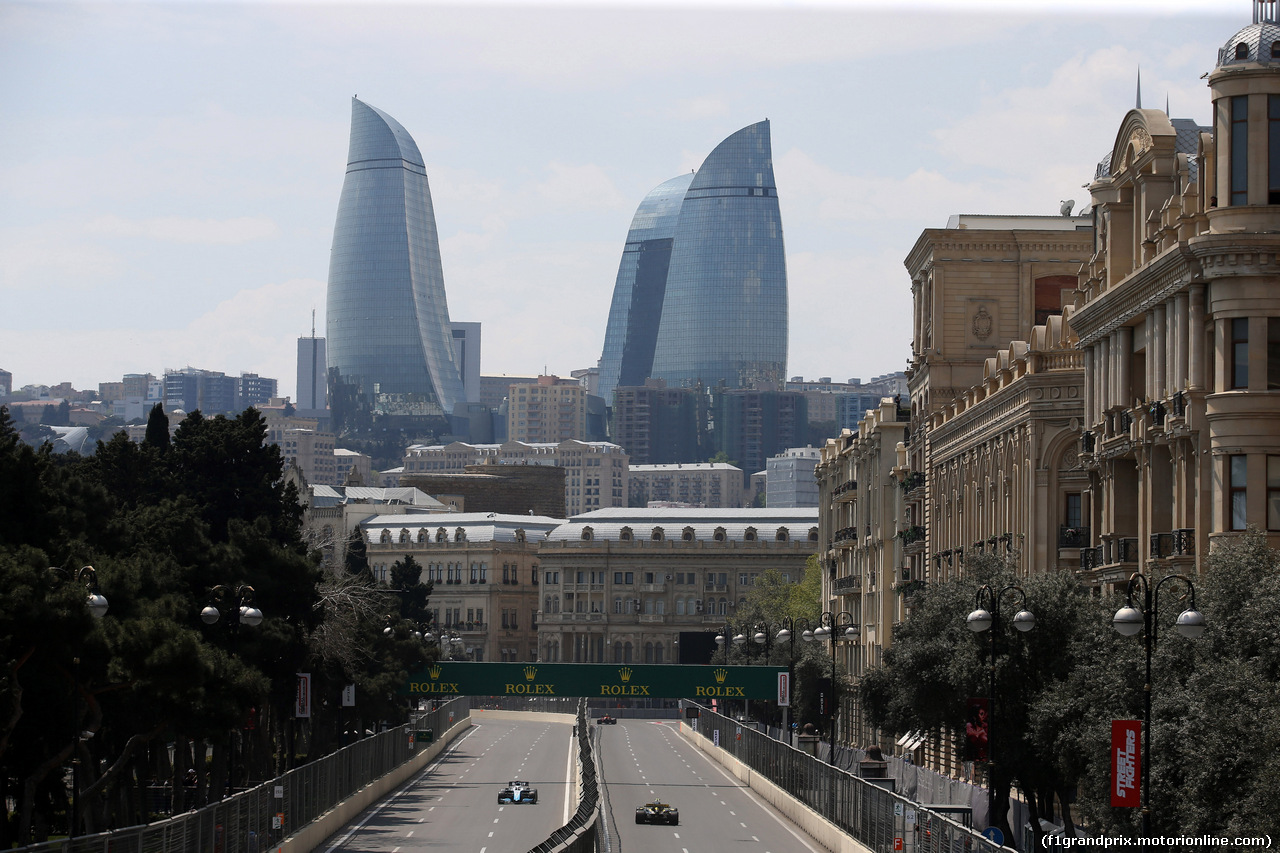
453 804
649 760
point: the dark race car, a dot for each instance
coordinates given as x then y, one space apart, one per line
606 720
658 813
518 792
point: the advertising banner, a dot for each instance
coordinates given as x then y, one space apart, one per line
1126 763
302 699
703 684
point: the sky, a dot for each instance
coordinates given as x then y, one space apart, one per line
170 172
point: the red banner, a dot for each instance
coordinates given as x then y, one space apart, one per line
1126 763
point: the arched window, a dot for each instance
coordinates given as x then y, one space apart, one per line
625 534
1275 50
422 536
441 535
519 534
459 535
724 607
1242 51
626 652
813 534
404 535
617 652
690 606
687 534
679 606
648 652
657 534
750 534
657 652
385 538
720 534
588 534
782 535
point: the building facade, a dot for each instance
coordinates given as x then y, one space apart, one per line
1179 324
389 339
550 410
659 425
484 571
628 585
864 535
714 485
789 478
313 393
749 426
596 472
635 313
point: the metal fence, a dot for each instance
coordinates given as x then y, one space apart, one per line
580 834
252 821
873 815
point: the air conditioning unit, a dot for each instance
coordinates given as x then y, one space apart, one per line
668 577
698 605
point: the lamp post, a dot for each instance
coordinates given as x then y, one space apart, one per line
96 602
1131 619
986 617
787 635
239 601
832 627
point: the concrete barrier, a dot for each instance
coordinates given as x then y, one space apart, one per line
316 833
480 715
815 825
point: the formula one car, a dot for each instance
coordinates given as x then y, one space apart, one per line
658 813
606 720
518 792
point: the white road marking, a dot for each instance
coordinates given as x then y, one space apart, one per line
409 834
491 835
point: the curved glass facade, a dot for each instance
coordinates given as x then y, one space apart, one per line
724 313
636 310
390 345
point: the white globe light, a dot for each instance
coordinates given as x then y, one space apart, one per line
979 620
1024 620
760 638
807 636
784 635
1190 624
209 615
97 604
1128 620
250 616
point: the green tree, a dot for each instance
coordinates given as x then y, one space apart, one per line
158 428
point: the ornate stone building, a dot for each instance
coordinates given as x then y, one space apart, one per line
1179 323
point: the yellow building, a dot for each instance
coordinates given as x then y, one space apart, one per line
548 411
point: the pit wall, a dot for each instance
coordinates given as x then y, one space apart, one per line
815 825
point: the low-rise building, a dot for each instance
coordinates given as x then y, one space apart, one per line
705 484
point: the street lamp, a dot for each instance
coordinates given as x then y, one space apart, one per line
986 617
833 627
788 635
96 602
1131 619
239 600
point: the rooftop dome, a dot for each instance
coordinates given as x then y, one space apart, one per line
1258 42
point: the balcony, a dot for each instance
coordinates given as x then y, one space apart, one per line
1178 543
845 537
653 587
846 491
1073 537
849 585
652 618
911 535
912 481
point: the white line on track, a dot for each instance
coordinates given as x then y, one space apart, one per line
403 789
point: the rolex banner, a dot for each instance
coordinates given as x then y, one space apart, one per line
596 680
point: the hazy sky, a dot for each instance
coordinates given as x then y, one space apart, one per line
170 172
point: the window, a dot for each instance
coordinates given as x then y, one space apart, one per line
742 579
617 605
1242 51
506 573
1273 492
1240 147
1073 518
679 606
475 573
535 575
630 577
582 577
617 577
1239 366
1273 353
1236 475
1273 145
648 577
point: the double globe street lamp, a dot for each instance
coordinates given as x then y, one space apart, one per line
1133 618
833 627
241 611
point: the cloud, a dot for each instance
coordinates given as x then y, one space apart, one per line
41 257
177 229
579 187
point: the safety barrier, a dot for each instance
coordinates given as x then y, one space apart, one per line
579 835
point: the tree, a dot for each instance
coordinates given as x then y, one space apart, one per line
158 428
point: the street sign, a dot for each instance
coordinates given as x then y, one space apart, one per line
784 689
639 681
715 736
1126 763
897 809
349 696
911 816
993 833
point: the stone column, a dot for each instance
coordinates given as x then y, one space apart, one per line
1124 366
1156 354
1180 335
1195 339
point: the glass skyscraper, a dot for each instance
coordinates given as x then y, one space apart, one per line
390 344
636 310
721 301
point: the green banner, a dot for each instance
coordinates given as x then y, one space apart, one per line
596 680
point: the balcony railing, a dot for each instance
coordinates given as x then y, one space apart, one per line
846 585
845 534
912 534
912 481
1073 537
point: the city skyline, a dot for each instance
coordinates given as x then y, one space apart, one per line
170 172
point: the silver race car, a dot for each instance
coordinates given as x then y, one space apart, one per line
518 792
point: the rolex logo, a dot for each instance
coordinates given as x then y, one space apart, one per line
435 670
721 675
530 673
625 674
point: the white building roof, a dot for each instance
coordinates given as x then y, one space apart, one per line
608 524
477 526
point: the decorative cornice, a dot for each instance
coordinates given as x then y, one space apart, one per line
1153 283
